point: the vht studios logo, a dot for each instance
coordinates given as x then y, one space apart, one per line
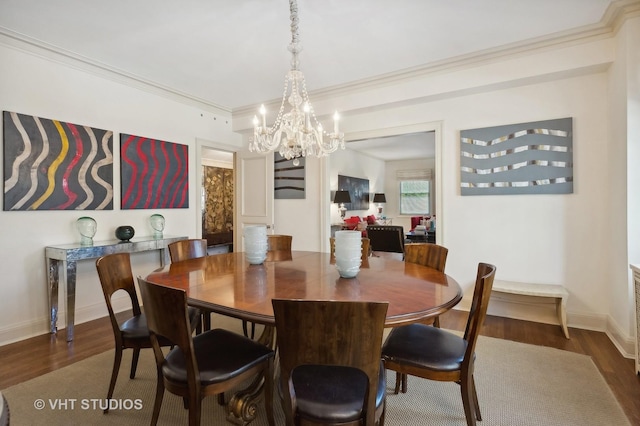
87 404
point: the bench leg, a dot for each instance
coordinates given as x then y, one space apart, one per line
561 308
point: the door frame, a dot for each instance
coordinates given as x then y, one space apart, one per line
218 146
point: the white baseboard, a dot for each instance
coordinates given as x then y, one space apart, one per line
37 327
520 309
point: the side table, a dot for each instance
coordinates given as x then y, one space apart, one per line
62 260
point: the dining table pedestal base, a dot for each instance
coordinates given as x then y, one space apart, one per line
243 405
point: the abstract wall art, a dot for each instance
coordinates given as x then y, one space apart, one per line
53 165
288 178
154 173
358 191
525 158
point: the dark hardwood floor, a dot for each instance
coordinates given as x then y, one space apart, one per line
33 357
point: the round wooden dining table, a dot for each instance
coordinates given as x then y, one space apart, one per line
227 284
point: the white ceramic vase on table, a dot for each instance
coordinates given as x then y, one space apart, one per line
255 243
348 253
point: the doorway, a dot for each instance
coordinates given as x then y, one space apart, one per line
434 132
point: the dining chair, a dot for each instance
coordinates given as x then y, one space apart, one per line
435 354
187 249
114 272
366 248
331 371
279 247
430 255
386 238
206 364
191 249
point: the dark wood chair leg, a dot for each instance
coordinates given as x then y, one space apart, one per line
246 331
157 404
475 399
134 363
466 388
114 374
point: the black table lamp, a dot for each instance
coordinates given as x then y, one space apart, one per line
379 198
342 197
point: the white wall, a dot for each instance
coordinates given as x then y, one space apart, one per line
37 86
578 240
558 239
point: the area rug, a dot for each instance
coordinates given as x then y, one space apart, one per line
518 384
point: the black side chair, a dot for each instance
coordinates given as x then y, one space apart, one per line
386 238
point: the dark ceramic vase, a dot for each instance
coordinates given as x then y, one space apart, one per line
125 233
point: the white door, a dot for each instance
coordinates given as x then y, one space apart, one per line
254 193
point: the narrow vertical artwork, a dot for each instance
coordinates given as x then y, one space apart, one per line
218 200
525 158
289 181
154 174
53 165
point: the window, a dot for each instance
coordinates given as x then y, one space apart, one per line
415 197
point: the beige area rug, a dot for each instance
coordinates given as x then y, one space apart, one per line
518 384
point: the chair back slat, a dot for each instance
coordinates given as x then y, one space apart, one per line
386 238
479 304
187 249
426 254
114 272
330 333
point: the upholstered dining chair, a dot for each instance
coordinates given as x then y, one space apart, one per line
435 354
114 272
425 254
386 238
191 249
331 372
279 247
207 364
187 249
366 248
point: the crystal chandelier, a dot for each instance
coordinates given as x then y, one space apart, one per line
293 133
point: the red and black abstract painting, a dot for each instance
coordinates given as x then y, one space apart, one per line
53 165
154 174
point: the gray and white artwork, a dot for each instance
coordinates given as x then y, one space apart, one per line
525 158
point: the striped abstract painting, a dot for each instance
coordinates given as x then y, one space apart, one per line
53 165
154 174
288 178
525 158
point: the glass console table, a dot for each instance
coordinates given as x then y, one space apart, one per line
62 262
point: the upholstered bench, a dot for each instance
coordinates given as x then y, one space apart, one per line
553 291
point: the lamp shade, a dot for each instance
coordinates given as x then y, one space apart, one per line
342 197
379 198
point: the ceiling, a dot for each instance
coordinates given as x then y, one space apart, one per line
233 53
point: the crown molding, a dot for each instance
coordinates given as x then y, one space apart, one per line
613 18
55 54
